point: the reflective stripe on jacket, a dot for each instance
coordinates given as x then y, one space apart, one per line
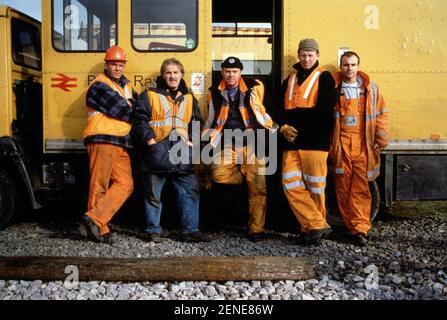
167 113
156 115
304 95
376 127
253 96
100 123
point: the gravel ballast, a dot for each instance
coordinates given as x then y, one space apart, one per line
405 260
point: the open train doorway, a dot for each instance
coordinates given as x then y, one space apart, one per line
252 31
249 30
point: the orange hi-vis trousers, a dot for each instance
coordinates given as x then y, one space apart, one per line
110 182
304 181
237 164
352 188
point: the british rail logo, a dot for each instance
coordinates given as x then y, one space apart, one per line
63 82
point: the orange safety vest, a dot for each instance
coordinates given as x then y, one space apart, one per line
304 95
256 105
100 123
168 114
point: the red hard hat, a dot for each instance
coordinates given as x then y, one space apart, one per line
115 53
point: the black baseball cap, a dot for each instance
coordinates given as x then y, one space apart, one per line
232 62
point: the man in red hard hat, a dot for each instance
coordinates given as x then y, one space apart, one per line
109 103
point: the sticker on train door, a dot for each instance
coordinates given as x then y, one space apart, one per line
198 83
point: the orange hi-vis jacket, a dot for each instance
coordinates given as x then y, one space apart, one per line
255 94
168 114
304 95
376 127
100 123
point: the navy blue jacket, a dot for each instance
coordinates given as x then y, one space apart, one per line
154 159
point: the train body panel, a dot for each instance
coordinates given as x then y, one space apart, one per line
402 45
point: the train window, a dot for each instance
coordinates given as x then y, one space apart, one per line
164 25
25 44
87 25
251 42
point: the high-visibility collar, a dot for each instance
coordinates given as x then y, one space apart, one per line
304 95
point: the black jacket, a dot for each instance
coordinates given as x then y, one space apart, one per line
314 125
155 158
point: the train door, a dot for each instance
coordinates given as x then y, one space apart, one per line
26 70
251 31
248 29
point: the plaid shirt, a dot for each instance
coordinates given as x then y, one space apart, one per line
104 99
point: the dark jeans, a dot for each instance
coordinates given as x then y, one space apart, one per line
186 188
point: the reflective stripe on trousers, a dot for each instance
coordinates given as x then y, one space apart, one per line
304 181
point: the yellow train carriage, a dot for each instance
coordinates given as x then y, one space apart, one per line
20 108
77 33
402 45
20 60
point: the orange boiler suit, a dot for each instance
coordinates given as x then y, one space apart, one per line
360 131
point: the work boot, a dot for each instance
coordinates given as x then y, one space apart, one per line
360 239
89 229
165 233
153 237
256 236
195 237
314 236
301 239
108 238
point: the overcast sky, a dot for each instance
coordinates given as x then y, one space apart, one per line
30 7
